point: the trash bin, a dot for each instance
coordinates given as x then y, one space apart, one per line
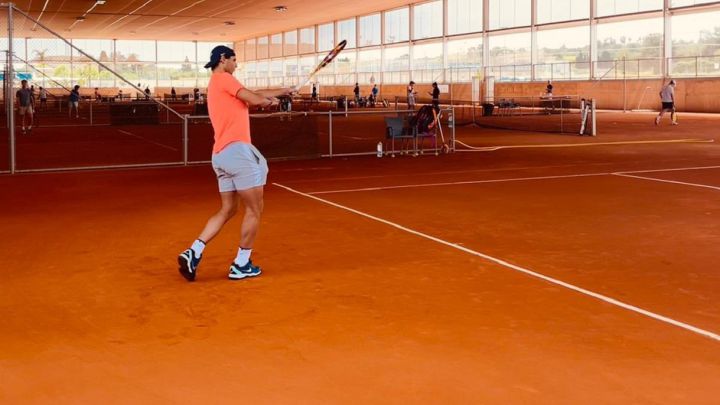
488 109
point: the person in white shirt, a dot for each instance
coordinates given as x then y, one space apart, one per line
667 97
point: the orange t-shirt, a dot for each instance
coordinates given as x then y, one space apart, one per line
229 115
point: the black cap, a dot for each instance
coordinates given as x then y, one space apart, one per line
216 53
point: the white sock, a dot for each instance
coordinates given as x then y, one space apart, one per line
198 246
243 256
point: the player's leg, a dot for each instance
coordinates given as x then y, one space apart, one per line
190 258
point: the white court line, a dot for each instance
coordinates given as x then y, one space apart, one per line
671 170
503 263
667 181
148 140
575 145
519 179
353 190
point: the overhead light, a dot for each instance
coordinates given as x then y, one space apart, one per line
100 2
280 9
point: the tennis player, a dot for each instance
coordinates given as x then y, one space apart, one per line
240 168
667 97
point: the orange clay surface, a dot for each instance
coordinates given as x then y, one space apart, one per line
351 310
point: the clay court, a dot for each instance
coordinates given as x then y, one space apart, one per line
529 265
552 269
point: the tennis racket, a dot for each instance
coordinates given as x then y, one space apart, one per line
329 58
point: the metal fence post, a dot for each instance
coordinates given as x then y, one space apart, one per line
185 139
330 134
10 100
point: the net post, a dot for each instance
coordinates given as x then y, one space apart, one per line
10 100
592 111
453 128
185 139
330 133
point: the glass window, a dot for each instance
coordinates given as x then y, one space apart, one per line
683 3
345 62
326 37
307 64
290 66
696 34
635 39
135 50
564 45
307 40
613 7
428 20
275 45
276 68
55 49
250 50
397 25
176 51
262 47
262 68
562 10
346 31
397 58
138 72
176 74
290 47
511 49
100 49
465 16
428 56
250 70
369 61
369 33
465 52
509 13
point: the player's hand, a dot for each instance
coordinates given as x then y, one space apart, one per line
272 101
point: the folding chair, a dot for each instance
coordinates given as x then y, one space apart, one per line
395 129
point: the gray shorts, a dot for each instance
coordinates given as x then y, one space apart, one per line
240 166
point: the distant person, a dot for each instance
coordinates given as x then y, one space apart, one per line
98 97
435 96
549 89
313 94
411 95
667 97
120 95
356 91
43 98
173 94
25 99
74 102
373 95
147 93
196 94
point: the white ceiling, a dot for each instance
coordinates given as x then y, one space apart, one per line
202 20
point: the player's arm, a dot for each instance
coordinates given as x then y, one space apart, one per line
254 98
275 92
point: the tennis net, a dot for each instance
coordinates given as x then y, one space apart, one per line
558 114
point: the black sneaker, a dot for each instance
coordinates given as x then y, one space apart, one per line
188 264
238 272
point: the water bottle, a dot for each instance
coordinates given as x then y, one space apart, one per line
450 120
379 149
